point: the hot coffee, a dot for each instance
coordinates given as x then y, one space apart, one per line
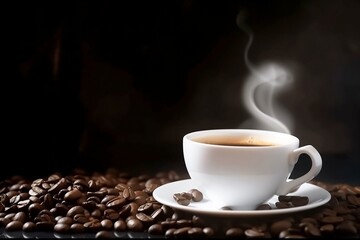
259 169
234 141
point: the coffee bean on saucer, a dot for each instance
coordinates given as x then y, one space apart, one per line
183 198
283 205
292 201
299 201
196 195
264 206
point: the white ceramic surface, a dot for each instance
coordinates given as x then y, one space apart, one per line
164 194
242 177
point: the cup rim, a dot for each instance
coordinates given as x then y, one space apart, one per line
290 139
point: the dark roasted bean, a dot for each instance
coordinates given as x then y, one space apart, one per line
111 214
195 232
75 210
77 228
146 208
182 198
61 228
196 195
29 227
14 226
66 220
72 195
181 231
170 232
120 225
251 233
134 224
116 203
107 224
263 207
92 226
299 201
129 194
283 205
234 232
144 218
332 219
155 229
80 218
279 226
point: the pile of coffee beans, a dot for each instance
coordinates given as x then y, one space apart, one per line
116 202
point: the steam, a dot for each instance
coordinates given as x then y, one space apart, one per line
260 90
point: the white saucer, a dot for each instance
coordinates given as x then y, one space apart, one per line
164 194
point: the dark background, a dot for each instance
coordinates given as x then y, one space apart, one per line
97 84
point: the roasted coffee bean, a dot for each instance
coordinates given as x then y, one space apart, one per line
182 198
66 220
312 231
144 218
20 216
332 219
299 201
116 203
327 228
107 224
196 195
92 226
279 226
107 198
170 232
253 233
77 228
263 207
125 211
111 214
284 198
146 208
35 208
61 228
14 226
134 225
155 229
75 210
234 232
120 225
61 184
129 194
168 224
195 232
72 195
80 218
183 223
29 227
283 205
181 231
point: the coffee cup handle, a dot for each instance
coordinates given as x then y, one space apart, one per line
316 164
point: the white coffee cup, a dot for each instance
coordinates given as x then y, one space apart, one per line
243 168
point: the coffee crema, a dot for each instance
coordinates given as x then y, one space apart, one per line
233 141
